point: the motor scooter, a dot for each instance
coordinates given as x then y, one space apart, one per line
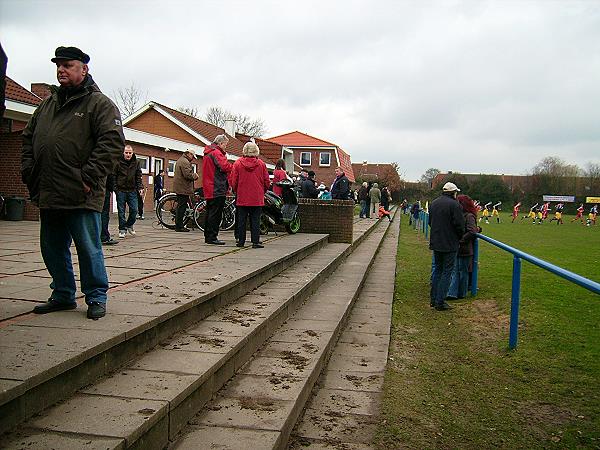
280 210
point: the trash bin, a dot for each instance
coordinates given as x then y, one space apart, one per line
14 207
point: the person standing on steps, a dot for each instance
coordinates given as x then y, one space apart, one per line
159 186
70 145
447 228
340 189
215 170
375 197
183 185
279 174
128 181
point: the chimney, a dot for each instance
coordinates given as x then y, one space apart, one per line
42 90
230 127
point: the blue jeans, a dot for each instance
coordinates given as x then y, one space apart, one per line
363 209
444 266
129 198
460 278
60 227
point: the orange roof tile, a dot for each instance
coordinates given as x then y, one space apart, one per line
298 139
14 91
346 164
270 150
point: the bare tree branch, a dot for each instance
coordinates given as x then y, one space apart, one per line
129 99
245 124
190 111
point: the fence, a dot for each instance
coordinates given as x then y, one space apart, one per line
518 255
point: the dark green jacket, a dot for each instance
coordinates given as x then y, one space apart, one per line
128 175
70 142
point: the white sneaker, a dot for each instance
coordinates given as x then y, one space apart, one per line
121 233
131 231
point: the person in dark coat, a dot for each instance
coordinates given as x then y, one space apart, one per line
159 185
309 186
183 185
215 171
363 198
298 182
128 181
104 232
386 197
70 145
340 189
447 228
250 181
464 262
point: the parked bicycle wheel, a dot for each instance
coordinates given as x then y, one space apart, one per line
166 209
294 225
200 214
228 220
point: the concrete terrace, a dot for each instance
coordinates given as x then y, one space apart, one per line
162 284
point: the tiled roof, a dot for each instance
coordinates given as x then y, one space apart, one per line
346 164
270 150
14 91
206 129
374 171
298 139
42 90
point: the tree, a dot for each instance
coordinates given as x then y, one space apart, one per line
556 167
390 177
129 99
245 124
592 175
429 176
489 188
553 176
190 111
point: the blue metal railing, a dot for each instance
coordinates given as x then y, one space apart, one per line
518 255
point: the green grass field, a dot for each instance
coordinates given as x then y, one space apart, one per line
451 381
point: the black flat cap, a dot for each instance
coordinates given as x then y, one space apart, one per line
70 53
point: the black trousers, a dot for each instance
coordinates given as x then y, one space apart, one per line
214 215
182 201
254 213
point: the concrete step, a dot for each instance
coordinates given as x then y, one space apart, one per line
149 400
259 407
47 358
343 410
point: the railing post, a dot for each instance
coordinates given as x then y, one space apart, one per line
514 303
475 273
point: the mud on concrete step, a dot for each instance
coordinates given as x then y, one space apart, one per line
47 358
152 398
259 407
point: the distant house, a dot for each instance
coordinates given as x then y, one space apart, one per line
160 134
315 154
383 172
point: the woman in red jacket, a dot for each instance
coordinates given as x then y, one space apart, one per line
278 175
250 181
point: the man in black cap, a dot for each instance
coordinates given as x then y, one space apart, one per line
70 144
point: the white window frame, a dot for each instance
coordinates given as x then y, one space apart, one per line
161 162
171 174
309 158
147 160
320 162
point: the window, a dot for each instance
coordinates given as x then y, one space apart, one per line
171 167
158 165
325 159
305 159
144 163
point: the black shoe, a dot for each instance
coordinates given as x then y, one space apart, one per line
443 307
52 305
215 242
259 245
110 241
239 244
182 230
96 310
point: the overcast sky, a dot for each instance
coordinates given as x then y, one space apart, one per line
474 86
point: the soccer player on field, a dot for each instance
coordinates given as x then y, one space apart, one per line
495 209
515 212
591 220
558 213
486 212
579 214
545 209
531 214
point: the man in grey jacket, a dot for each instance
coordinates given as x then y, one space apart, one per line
183 185
69 146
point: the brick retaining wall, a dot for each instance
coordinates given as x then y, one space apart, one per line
334 217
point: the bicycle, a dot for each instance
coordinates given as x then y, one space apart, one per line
195 211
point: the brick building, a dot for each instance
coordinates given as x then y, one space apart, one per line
315 154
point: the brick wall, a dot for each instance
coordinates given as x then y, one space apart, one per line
10 172
324 174
333 217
